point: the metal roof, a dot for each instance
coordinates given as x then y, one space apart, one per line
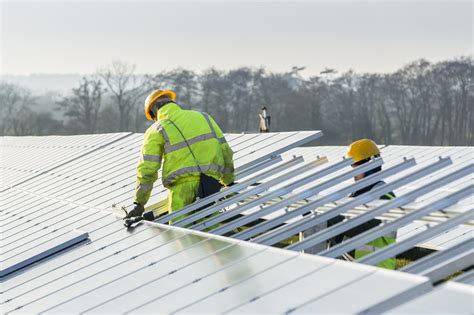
53 186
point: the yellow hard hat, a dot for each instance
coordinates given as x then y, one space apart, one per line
156 94
362 149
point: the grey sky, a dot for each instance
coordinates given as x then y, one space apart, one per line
78 37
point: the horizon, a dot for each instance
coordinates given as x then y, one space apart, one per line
304 73
63 83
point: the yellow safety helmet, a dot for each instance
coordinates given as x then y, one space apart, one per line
156 94
362 149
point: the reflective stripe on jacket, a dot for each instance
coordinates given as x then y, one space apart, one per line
164 144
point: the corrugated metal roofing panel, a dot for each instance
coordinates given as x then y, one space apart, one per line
48 153
150 268
449 298
336 290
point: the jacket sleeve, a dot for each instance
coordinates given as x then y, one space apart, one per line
228 173
150 162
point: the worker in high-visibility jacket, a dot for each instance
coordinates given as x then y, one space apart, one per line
189 145
362 151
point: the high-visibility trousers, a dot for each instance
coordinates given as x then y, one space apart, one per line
378 243
183 194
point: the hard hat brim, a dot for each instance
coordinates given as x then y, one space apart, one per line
153 97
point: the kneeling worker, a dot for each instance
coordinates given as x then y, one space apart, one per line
195 156
362 151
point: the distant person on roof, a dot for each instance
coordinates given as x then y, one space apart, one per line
362 151
196 158
264 120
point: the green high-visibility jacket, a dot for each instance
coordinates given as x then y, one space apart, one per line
164 146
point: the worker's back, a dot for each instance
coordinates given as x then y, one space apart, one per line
204 138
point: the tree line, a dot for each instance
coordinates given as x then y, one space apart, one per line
422 103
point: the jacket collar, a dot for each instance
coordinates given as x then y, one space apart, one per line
168 110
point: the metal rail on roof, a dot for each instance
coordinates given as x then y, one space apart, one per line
16 262
466 278
376 232
324 199
440 265
396 202
287 231
408 243
160 208
286 189
316 135
248 169
316 189
393 214
232 189
250 192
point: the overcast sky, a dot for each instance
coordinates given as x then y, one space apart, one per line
376 36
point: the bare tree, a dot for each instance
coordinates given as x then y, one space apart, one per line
23 122
215 89
125 87
423 103
14 101
84 104
183 82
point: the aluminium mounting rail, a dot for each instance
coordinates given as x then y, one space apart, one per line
442 264
250 192
316 135
286 189
250 168
394 214
41 251
466 278
410 242
242 171
230 190
381 230
315 190
322 200
161 207
288 230
396 202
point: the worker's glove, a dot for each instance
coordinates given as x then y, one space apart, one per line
137 211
